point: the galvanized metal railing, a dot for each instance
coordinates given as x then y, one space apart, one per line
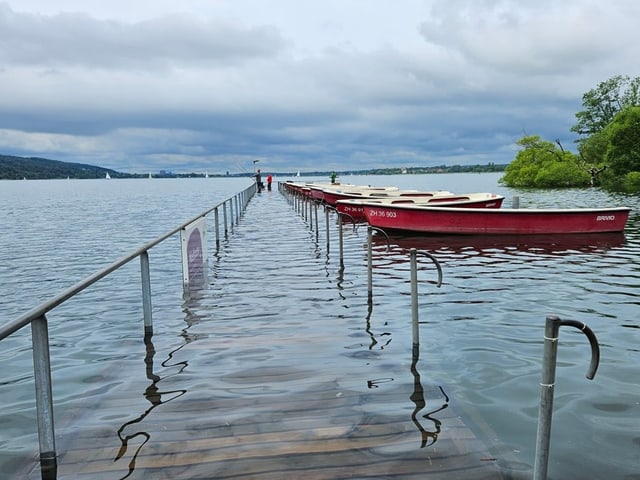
37 318
547 385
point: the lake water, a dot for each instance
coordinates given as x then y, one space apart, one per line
481 332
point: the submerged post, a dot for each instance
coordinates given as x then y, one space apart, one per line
552 328
146 293
415 331
44 397
370 262
413 255
341 240
315 209
224 216
216 216
326 221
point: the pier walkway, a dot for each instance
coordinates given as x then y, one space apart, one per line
274 373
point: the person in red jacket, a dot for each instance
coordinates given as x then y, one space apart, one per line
269 180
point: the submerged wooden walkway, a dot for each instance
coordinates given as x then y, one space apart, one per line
322 433
277 418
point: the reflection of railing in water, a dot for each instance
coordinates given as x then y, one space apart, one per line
417 397
153 394
37 319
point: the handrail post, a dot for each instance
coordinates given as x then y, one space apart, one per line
415 330
369 263
551 331
413 255
341 242
146 293
224 214
44 397
216 216
232 217
326 221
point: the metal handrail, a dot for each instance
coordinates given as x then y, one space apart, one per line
36 317
547 385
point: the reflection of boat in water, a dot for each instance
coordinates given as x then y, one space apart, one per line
546 244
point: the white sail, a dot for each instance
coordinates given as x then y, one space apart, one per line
107 176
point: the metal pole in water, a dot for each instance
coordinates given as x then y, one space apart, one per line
236 200
551 331
369 262
515 201
326 221
414 298
341 241
146 293
44 397
233 213
224 215
305 206
216 216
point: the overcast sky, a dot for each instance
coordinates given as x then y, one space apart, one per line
212 85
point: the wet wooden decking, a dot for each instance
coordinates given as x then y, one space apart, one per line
321 435
322 429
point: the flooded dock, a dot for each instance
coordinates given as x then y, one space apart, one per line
278 370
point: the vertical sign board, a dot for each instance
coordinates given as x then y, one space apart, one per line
194 253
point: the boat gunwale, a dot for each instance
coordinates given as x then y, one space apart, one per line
492 211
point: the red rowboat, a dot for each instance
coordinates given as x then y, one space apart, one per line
332 195
498 221
355 207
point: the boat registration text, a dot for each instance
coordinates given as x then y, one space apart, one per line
383 213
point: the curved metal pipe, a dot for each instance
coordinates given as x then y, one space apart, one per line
593 341
435 261
547 386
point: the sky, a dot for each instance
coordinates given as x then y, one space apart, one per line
219 86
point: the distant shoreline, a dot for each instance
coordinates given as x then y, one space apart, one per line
31 168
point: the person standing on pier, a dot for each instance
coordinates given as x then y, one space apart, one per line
269 180
259 181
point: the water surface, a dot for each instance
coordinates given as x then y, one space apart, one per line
481 331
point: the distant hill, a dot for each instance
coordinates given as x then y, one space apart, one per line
18 168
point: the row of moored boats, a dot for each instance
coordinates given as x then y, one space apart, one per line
443 212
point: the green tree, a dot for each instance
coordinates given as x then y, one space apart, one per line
623 151
543 164
602 103
622 154
609 123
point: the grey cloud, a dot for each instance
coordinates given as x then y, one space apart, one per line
186 94
76 39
